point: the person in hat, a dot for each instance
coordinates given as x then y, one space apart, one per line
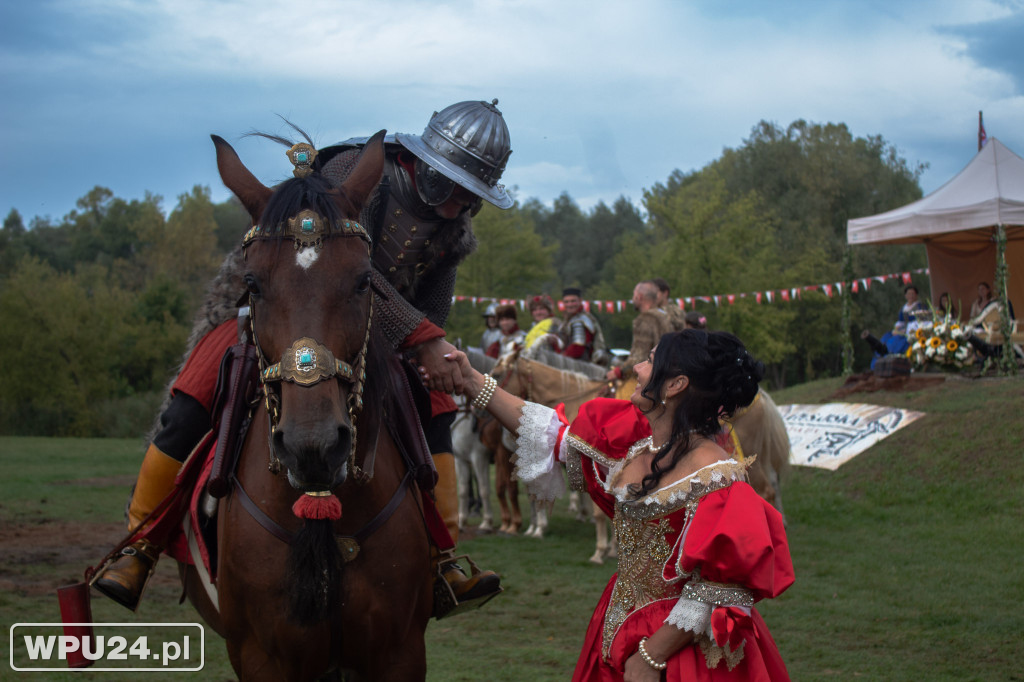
420 223
580 333
544 332
511 335
493 332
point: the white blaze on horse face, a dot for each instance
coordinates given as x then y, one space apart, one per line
306 256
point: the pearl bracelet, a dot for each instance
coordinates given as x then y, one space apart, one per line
486 393
647 657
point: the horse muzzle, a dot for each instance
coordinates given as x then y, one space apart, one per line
316 458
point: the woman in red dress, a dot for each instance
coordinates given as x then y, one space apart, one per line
697 546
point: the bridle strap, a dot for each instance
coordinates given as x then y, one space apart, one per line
285 535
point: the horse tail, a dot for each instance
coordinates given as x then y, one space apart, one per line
314 572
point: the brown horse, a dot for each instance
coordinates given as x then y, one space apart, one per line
301 598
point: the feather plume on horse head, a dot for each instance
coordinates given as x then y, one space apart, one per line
350 197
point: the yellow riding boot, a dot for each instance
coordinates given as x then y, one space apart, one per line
125 579
455 591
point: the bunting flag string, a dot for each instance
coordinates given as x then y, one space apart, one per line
829 289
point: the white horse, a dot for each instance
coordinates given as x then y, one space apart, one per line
472 459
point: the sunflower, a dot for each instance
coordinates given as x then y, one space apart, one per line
910 351
919 333
952 345
934 342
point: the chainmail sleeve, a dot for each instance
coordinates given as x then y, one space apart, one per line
397 317
435 295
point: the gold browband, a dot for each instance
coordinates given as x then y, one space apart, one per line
307 362
307 228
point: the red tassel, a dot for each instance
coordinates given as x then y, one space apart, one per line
317 507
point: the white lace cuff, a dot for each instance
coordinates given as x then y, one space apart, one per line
535 452
691 615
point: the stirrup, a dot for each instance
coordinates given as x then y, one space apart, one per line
145 554
445 602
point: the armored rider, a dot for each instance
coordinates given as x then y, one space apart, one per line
420 222
580 333
493 331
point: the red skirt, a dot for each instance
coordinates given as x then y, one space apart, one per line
761 659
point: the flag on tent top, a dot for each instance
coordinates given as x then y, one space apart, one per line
982 137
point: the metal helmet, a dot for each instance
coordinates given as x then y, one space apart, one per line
468 144
491 310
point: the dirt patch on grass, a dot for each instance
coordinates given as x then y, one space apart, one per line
37 558
869 383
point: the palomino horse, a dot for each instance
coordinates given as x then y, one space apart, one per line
573 384
760 430
300 595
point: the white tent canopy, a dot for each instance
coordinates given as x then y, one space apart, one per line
957 223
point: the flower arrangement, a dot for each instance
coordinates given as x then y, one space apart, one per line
942 343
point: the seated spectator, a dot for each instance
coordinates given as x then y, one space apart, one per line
983 301
909 319
945 308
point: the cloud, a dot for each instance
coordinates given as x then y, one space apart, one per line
602 98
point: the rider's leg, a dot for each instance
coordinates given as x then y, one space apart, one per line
184 423
480 585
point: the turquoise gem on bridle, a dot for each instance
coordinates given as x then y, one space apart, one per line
308 362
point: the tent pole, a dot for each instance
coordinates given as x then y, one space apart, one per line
1008 362
845 322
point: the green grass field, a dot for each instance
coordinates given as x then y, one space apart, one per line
908 558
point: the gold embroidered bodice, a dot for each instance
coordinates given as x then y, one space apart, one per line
644 527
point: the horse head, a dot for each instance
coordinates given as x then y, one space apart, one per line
308 270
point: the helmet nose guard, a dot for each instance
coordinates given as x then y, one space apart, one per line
468 143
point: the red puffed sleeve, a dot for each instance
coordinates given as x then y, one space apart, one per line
737 538
600 436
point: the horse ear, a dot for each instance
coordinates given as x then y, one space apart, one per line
251 192
363 179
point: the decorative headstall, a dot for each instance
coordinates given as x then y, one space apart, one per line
307 362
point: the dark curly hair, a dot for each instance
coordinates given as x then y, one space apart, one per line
723 377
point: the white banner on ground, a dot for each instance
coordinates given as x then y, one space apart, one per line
829 435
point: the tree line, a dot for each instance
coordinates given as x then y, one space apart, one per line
96 308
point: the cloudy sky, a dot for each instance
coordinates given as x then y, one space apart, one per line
603 99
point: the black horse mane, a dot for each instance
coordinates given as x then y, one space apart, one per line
314 191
